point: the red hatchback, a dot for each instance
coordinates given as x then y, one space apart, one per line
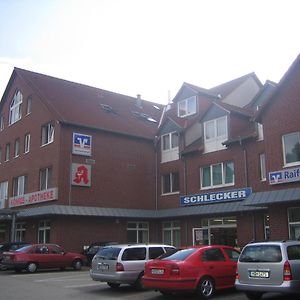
41 256
202 269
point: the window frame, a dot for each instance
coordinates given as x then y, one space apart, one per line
223 175
19 185
27 143
172 183
15 108
262 167
184 105
7 152
173 229
294 163
44 231
17 148
3 193
141 229
47 134
45 178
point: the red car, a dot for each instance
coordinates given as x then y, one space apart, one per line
202 269
41 256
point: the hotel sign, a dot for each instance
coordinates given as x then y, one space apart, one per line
284 176
82 144
208 198
33 198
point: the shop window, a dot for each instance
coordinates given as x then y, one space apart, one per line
15 112
47 134
3 193
45 178
20 232
187 107
44 232
19 185
27 143
137 232
169 147
217 175
215 133
171 233
291 149
2 231
294 222
170 183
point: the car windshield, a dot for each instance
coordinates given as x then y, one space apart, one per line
23 249
110 253
261 253
180 255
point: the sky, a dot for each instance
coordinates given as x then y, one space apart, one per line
149 47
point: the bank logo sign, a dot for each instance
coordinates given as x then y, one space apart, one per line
82 144
284 176
232 195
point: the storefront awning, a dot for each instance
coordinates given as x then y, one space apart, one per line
273 197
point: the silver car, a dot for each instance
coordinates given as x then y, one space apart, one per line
118 264
269 267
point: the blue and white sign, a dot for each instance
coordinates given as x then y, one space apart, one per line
284 176
82 144
213 197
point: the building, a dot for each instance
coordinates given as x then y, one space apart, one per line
79 164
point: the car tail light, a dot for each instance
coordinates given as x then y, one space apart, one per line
287 272
119 267
175 270
237 276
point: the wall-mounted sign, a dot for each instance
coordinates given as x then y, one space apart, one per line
33 198
81 175
284 176
82 144
220 196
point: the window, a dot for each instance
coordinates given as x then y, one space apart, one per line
291 149
1 123
171 233
27 143
44 232
19 185
217 175
47 134
169 146
7 152
187 107
3 193
17 148
20 232
134 254
262 160
29 104
215 133
15 112
137 232
260 131
294 222
170 183
213 255
45 178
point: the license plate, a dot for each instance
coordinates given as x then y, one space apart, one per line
259 274
103 267
157 271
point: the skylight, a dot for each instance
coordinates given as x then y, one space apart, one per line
143 116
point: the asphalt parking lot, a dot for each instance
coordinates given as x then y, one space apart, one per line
67 285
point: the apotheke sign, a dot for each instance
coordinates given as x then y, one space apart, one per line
284 176
33 198
207 198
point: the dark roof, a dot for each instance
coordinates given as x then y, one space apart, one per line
94 107
273 197
64 210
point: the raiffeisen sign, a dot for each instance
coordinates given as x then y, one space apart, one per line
220 196
284 176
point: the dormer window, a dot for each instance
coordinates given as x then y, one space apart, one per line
15 112
187 107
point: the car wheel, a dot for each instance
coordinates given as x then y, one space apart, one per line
139 283
31 267
77 264
254 295
113 285
206 288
